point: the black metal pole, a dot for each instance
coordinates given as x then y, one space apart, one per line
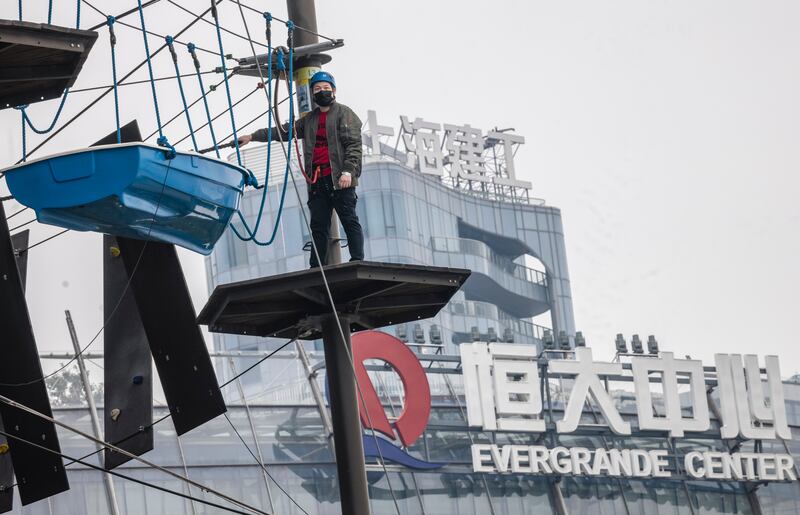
347 434
304 14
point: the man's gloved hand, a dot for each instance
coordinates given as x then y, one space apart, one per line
245 139
345 181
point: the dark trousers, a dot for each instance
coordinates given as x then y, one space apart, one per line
322 200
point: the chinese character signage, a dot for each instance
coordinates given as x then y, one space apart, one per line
462 153
503 391
745 410
502 383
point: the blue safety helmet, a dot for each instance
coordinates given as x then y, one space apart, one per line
321 76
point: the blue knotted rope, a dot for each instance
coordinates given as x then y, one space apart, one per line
162 140
170 153
49 128
268 88
225 77
193 51
113 38
171 44
24 136
281 66
25 118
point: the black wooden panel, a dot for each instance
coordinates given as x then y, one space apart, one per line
6 476
20 244
176 342
128 133
39 473
128 367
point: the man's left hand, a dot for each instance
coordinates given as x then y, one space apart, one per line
345 181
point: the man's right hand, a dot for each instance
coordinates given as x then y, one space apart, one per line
244 140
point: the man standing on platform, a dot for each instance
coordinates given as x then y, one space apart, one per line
331 136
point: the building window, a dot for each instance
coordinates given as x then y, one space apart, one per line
376 227
236 250
389 215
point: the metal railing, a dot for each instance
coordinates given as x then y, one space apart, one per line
490 311
479 248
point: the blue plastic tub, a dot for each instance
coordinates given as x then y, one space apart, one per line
132 190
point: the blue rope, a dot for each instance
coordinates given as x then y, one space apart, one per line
171 44
110 22
225 77
252 233
28 121
162 140
25 116
78 15
170 153
192 50
281 66
24 140
24 136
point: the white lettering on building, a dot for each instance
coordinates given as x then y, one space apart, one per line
587 385
632 463
668 369
743 402
422 141
503 383
502 387
460 152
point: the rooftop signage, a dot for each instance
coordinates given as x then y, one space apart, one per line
462 153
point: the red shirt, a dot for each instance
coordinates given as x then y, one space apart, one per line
321 158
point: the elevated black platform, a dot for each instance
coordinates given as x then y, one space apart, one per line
39 61
370 294
367 295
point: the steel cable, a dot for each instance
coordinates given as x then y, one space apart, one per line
130 478
325 281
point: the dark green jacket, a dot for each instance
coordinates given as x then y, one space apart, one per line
344 140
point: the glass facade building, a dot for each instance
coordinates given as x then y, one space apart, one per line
293 442
519 289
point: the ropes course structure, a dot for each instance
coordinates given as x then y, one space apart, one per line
287 154
171 219
169 43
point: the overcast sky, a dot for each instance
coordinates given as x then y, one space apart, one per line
666 131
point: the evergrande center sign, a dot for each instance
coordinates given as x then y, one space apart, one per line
630 463
504 385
